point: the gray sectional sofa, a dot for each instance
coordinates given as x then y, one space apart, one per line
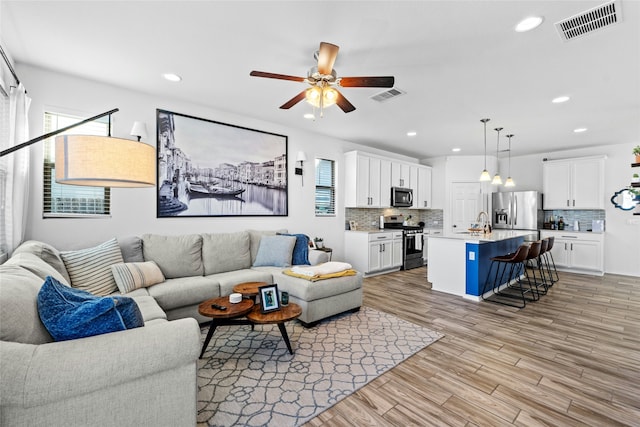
142 376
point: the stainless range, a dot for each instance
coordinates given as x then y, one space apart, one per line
412 241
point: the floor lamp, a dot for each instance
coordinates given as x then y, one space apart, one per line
99 161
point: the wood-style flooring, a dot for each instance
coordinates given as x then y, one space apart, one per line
570 359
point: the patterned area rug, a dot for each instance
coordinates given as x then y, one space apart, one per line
248 378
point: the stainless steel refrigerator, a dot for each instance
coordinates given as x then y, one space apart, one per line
517 210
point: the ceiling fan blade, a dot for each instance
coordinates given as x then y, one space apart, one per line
293 101
276 76
344 105
386 81
327 57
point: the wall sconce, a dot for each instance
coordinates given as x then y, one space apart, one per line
302 157
139 129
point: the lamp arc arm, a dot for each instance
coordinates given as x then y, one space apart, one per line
55 132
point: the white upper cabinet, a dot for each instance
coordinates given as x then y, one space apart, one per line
367 181
400 174
573 183
369 178
420 182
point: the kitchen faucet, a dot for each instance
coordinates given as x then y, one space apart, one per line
486 223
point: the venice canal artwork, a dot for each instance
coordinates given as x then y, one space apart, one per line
207 168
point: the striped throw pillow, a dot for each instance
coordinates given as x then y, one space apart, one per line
90 269
135 275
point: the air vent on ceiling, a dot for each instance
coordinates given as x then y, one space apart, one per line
590 20
387 94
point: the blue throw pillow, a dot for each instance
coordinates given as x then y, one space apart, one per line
300 250
70 313
275 251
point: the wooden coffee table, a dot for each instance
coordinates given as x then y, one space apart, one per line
230 316
249 289
279 317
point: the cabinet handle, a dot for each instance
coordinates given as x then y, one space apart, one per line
574 202
571 246
565 246
570 237
568 203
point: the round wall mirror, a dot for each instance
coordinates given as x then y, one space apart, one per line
624 199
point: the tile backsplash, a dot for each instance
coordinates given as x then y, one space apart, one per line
584 217
368 218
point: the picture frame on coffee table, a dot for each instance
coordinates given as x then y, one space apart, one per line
269 300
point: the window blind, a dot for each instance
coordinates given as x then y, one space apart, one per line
325 188
71 200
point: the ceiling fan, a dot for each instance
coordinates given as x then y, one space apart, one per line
323 79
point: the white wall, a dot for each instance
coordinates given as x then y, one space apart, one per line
133 211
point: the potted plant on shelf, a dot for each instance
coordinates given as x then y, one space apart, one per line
636 152
635 178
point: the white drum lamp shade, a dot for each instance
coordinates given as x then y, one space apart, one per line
104 161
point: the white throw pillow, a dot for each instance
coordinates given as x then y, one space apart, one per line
90 269
135 275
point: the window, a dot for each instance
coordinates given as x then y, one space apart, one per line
71 200
325 187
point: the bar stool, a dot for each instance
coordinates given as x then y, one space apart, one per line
551 265
515 264
532 263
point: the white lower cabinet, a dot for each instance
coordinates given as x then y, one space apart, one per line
577 252
374 252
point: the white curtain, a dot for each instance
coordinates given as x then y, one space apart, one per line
17 165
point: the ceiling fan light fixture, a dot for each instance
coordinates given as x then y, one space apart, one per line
328 95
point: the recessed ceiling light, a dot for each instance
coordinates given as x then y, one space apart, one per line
309 116
455 150
560 99
528 24
412 133
580 130
172 77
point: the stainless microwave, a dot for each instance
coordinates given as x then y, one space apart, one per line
401 197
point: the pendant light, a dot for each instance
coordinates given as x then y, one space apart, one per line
509 182
496 178
484 176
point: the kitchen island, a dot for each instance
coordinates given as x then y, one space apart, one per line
459 262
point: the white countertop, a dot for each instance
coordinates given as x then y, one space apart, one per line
494 236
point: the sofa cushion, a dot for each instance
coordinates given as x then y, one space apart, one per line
177 256
135 275
184 291
256 235
275 251
47 253
131 248
90 268
70 313
36 265
149 309
300 254
19 319
223 252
